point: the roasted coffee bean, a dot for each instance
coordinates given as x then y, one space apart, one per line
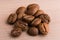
20 10
36 21
45 18
32 9
16 32
28 18
38 13
21 15
33 31
22 25
43 28
12 18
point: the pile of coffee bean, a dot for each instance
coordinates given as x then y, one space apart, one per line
32 19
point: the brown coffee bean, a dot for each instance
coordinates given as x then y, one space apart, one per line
21 15
43 28
22 25
28 18
20 10
38 13
12 18
45 18
36 21
33 31
32 9
16 32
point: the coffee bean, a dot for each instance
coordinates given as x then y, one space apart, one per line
28 18
38 13
32 9
45 18
36 21
43 28
33 31
12 18
16 32
22 25
20 10
20 16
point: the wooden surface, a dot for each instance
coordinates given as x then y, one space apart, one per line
51 7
